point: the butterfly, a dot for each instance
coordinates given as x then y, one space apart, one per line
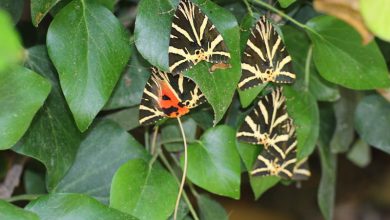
194 38
265 58
268 124
168 96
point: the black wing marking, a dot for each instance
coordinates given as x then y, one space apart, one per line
265 58
194 38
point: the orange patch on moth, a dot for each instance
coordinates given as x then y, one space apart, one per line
168 100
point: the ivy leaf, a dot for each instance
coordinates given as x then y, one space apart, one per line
148 193
128 118
372 121
13 7
152 39
214 163
22 94
336 45
8 211
286 3
75 207
360 153
302 107
260 184
11 51
55 120
128 92
34 182
171 134
376 17
298 45
105 142
39 9
327 188
89 56
210 209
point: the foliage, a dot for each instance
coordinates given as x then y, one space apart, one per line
69 99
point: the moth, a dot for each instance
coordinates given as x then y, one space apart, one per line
194 38
265 58
268 124
168 96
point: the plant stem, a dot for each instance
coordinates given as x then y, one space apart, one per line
154 138
170 169
183 178
307 67
24 197
146 138
282 14
248 7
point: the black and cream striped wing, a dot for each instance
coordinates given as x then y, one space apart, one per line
265 58
265 123
166 95
301 170
194 38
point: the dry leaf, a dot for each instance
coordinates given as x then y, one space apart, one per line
219 66
348 11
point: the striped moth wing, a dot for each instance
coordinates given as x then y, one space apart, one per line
284 164
168 96
265 123
194 38
265 58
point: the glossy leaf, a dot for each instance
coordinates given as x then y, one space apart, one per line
129 90
54 119
171 134
73 206
8 211
39 9
248 153
108 143
34 182
376 17
336 45
372 121
214 163
260 184
327 188
11 51
286 3
89 57
22 94
13 7
302 107
298 45
149 193
360 153
152 37
344 111
128 118
210 209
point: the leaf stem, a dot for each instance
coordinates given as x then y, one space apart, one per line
24 197
307 67
248 7
183 178
282 14
174 140
154 138
170 169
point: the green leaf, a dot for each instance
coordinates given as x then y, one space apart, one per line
128 118
298 45
22 94
336 45
376 17
13 7
73 206
171 134
89 56
203 117
128 92
148 193
11 51
302 107
182 212
8 211
108 143
34 182
344 110
285 3
214 163
260 184
52 138
152 39
210 209
372 122
360 153
327 188
39 9
248 153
